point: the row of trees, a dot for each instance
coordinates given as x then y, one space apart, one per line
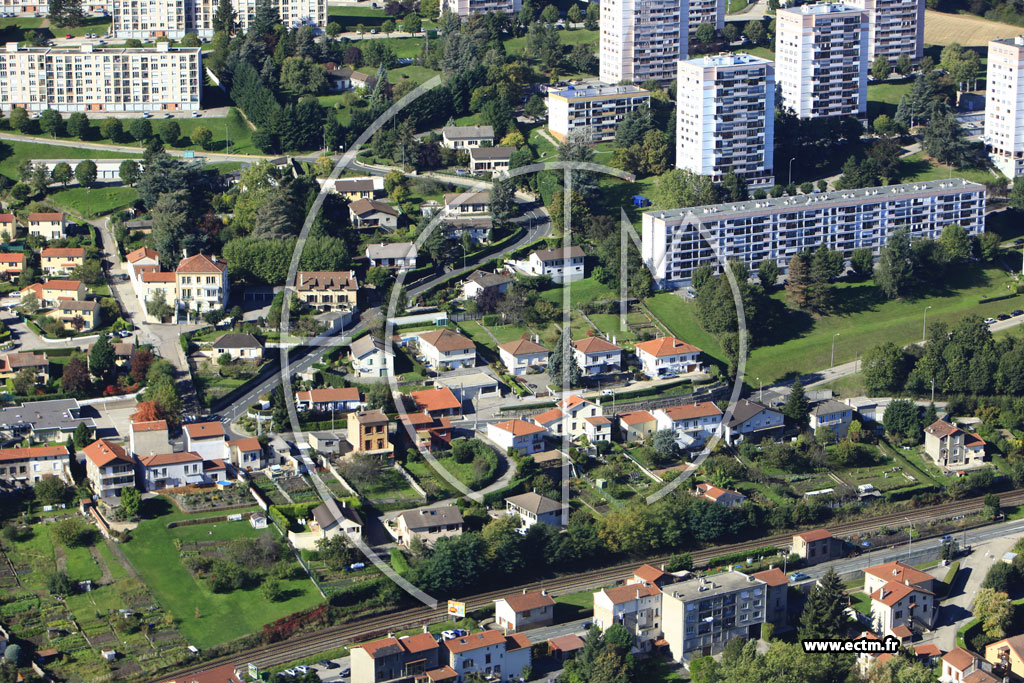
78 125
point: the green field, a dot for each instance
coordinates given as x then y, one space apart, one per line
95 202
581 292
14 29
14 152
920 166
883 97
680 318
222 616
417 74
517 46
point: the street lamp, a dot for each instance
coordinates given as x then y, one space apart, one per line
833 362
791 170
760 390
910 536
924 325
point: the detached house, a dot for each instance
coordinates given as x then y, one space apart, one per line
668 355
446 350
902 598
49 226
525 437
1007 655
202 283
719 496
246 454
371 358
561 265
490 159
31 464
524 611
327 290
962 666
521 355
371 214
429 524
393 255
477 227
637 425
14 362
206 438
392 659
238 347
533 508
753 420
595 355
11 264
466 137
51 292
60 261
834 415
79 316
952 448
170 470
354 189
480 281
108 470
368 432
462 203
489 654
693 423
816 546
8 227
436 403
337 399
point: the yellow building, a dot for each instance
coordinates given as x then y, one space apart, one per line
368 433
8 228
77 316
60 261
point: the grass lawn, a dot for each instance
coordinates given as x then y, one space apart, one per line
920 166
14 29
387 484
757 51
417 74
610 326
581 292
849 386
517 46
734 6
680 317
541 145
350 17
19 151
95 202
861 603
508 333
424 471
222 616
884 97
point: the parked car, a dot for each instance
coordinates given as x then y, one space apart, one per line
989 321
345 673
68 36
1017 312
947 538
799 576
196 114
1002 316
302 669
461 632
448 635
328 664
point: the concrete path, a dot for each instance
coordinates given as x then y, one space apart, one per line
129 149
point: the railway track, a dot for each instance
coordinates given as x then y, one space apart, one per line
310 644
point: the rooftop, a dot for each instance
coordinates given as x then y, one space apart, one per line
728 581
468 132
323 279
101 453
535 503
590 345
474 641
205 430
598 90
235 340
900 573
690 411
390 250
446 340
163 459
491 152
435 399
329 394
521 602
666 346
575 251
519 427
636 417
362 207
813 535
423 518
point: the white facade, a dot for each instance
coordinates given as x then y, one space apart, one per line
821 60
642 40
98 80
1004 105
706 12
525 437
465 8
519 356
895 27
597 108
157 18
778 228
169 470
725 117
693 424
595 355
668 355
206 439
561 265
702 615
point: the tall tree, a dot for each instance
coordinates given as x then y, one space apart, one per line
824 613
895 270
62 173
502 202
101 358
798 280
562 357
85 173
224 17
796 405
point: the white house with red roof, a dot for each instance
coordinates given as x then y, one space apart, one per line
525 437
489 653
953 448
108 469
245 454
668 355
522 354
337 399
436 403
446 350
202 283
637 425
596 355
719 496
649 575
962 666
169 470
525 610
205 438
693 423
149 438
902 599
636 607
49 226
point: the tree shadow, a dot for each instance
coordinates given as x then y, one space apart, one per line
152 508
910 168
859 298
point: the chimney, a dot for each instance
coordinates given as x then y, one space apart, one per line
184 253
525 591
543 591
425 629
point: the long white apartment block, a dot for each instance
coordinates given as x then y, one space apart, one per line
674 242
1004 105
895 27
465 8
600 108
821 60
725 117
174 18
92 79
706 12
26 7
642 39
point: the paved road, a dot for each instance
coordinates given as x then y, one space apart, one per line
129 149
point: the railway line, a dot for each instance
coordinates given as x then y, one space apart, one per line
310 644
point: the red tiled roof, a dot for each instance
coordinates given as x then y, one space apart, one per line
712 492
636 417
902 631
201 263
102 453
203 430
214 465
435 399
569 643
157 276
12 258
595 345
598 420
446 340
63 252
927 650
382 647
941 428
517 641
646 572
62 284
445 673
6 217
161 459
520 602
772 577
249 443
141 253
813 535
690 411
474 641
329 394
893 592
522 346
899 573
31 452
622 594
46 217
519 427
548 416
666 346
420 642
972 440
151 426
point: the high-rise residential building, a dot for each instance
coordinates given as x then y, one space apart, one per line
94 80
706 12
676 242
465 8
821 60
699 617
725 109
1004 105
599 108
642 39
895 27
174 18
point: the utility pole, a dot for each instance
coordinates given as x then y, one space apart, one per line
924 325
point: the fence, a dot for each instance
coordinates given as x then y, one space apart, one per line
412 482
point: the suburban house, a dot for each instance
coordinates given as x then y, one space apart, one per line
354 189
490 159
596 355
371 358
570 416
371 214
693 423
149 438
477 227
392 659
480 281
436 403
202 283
532 508
648 575
962 666
521 355
60 261
8 227
752 420
327 290
881 574
31 464
598 428
952 448
489 654
205 438
169 470
637 425
11 264
78 316
834 415
325 442
897 608
524 611
466 137
424 431
123 353
428 524
52 292
561 265
446 350
358 79
462 203
339 79
367 432
719 496
668 356
108 469
1007 656
331 518
49 226
15 361
776 604
525 437
471 386
239 346
392 255
553 459
636 607
816 546
246 454
339 399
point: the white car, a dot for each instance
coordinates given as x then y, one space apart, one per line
989 321
196 115
449 635
302 669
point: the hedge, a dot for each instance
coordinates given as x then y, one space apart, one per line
515 487
286 516
1002 297
742 556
